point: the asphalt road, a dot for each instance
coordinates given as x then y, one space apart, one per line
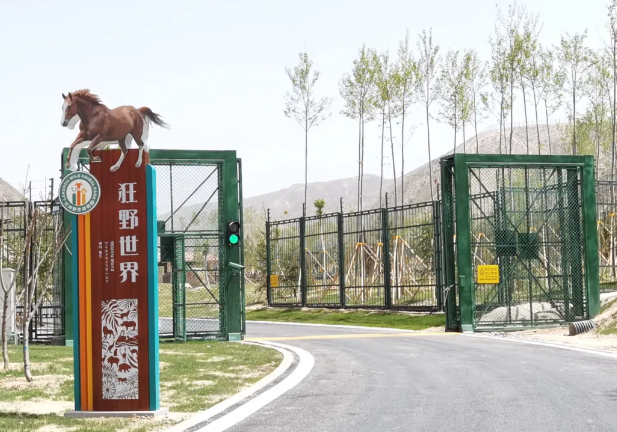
440 382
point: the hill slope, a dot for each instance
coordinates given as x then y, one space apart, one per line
416 182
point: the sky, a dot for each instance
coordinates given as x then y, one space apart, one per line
215 71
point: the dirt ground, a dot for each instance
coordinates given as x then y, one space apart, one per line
593 339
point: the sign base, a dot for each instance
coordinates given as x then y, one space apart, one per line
91 414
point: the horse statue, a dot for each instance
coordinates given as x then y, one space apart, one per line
101 126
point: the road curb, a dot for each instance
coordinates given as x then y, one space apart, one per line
547 344
305 365
238 397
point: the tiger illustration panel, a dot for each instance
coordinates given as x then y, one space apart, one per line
120 366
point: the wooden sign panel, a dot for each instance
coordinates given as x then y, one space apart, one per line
119 285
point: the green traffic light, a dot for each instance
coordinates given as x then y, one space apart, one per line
233 239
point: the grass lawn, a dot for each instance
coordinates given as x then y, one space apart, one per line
360 318
196 298
194 376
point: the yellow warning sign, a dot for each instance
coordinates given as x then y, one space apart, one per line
274 281
488 274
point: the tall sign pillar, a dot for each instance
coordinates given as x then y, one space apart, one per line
115 287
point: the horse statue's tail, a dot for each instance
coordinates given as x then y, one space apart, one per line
153 117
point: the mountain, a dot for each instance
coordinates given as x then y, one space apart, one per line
287 203
9 193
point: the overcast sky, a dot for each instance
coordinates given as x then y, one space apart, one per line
216 72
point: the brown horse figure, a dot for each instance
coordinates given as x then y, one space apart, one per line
101 126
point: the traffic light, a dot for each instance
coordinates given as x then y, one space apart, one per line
233 233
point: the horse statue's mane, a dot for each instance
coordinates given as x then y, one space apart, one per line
85 94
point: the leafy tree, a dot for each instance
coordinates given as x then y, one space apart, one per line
573 56
407 79
552 81
302 105
429 62
499 79
597 90
475 73
526 44
452 91
383 79
612 49
507 32
358 92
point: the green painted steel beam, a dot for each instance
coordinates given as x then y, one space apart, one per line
590 227
233 301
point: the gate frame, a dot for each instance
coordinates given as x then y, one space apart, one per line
459 184
231 189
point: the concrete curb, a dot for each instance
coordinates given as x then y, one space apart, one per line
337 326
222 406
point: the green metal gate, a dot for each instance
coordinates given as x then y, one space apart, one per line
531 218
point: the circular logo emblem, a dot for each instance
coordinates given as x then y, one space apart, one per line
79 192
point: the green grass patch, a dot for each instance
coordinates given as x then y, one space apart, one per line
194 296
197 375
360 318
194 376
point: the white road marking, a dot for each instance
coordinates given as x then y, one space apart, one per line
222 406
302 370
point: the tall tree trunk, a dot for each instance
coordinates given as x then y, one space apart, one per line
464 139
475 121
455 124
26 311
403 155
526 128
305 157
393 160
5 336
535 105
359 157
548 129
573 113
362 168
428 133
614 113
383 124
511 107
501 129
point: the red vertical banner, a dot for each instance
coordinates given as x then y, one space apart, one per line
119 284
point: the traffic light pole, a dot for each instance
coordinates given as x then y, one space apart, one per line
232 270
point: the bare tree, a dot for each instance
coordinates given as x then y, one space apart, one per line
302 105
475 73
428 86
452 91
407 82
573 56
358 91
44 238
507 31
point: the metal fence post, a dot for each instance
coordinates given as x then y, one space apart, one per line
385 236
341 258
268 262
303 257
437 247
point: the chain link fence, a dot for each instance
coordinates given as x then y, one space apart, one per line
341 260
528 221
190 250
